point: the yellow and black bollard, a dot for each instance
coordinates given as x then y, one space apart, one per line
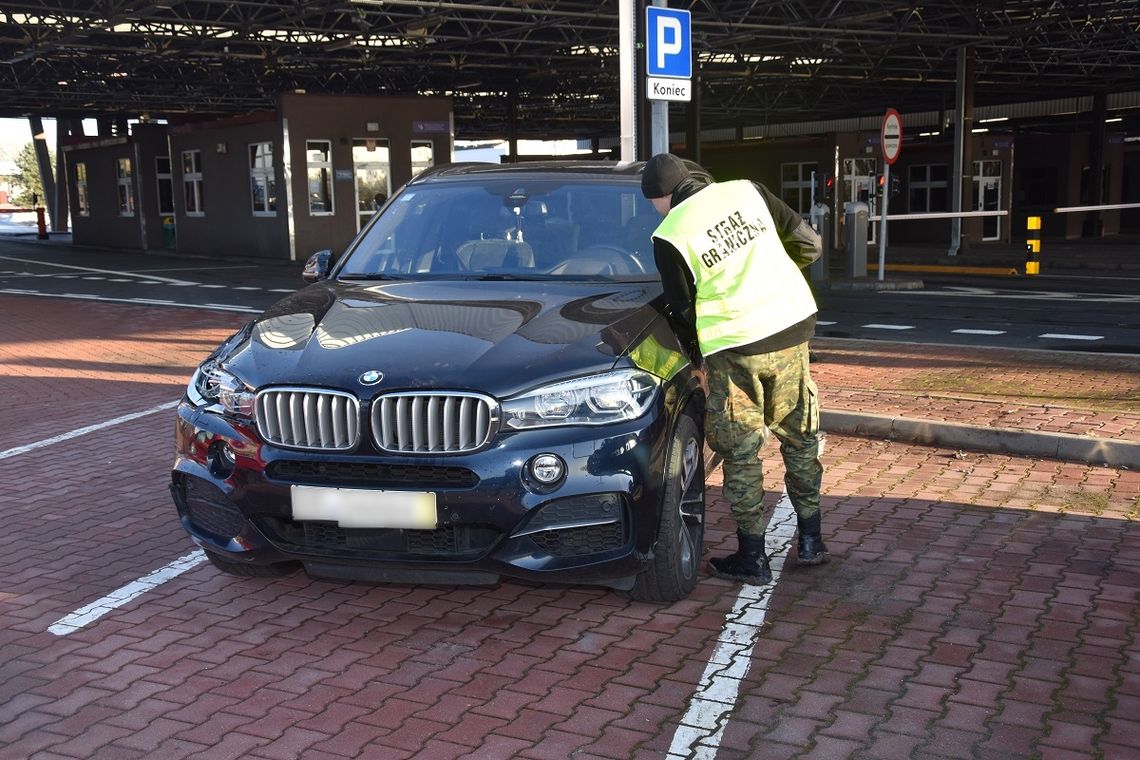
1032 245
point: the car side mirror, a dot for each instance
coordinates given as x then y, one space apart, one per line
318 266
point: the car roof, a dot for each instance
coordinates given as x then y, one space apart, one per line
627 170
470 169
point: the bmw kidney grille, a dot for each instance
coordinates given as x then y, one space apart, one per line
403 423
304 418
428 423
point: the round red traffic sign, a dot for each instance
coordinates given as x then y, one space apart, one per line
890 136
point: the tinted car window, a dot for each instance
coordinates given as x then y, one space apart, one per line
511 228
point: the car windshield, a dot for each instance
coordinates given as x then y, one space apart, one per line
510 228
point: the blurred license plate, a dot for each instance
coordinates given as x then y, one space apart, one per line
359 508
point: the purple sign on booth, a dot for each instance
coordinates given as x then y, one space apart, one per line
425 127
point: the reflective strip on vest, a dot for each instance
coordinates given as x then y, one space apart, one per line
748 288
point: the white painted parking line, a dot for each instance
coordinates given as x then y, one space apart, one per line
212 268
167 280
85 430
230 307
875 326
117 598
825 322
700 731
966 331
1068 336
157 301
282 290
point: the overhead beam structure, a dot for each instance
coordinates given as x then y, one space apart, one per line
550 69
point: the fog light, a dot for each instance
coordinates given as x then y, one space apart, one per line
221 459
547 469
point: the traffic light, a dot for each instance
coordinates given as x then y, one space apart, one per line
896 184
823 191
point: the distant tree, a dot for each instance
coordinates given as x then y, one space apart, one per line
26 183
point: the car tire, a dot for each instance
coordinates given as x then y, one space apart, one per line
674 569
247 569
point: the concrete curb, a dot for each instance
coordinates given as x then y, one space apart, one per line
868 283
955 435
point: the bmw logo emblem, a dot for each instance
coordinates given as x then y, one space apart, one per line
371 377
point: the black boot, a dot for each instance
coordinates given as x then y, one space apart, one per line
809 546
748 565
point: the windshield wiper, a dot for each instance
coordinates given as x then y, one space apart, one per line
368 276
507 276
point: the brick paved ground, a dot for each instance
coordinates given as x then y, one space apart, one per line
978 606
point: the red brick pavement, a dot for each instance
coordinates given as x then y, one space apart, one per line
977 606
65 364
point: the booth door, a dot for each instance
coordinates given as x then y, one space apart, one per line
371 169
987 191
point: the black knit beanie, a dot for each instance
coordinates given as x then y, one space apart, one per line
662 174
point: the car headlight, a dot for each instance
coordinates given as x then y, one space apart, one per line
212 385
615 396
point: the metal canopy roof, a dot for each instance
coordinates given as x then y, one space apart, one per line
760 62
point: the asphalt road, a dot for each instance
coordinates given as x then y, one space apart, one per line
1079 312
1060 313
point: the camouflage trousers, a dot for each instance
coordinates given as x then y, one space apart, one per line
748 397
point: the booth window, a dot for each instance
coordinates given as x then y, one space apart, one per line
262 182
927 188
165 184
192 182
81 206
423 155
125 182
796 185
318 155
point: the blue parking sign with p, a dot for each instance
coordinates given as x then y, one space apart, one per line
668 42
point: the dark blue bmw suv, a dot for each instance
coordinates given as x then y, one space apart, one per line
483 385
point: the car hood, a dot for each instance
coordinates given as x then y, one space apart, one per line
497 337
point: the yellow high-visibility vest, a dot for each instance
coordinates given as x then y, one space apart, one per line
748 288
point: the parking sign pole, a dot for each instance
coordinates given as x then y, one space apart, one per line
659 117
627 33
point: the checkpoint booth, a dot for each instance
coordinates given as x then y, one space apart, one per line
275 184
119 189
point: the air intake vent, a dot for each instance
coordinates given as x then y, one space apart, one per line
433 423
304 418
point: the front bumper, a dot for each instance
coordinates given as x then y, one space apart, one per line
596 526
